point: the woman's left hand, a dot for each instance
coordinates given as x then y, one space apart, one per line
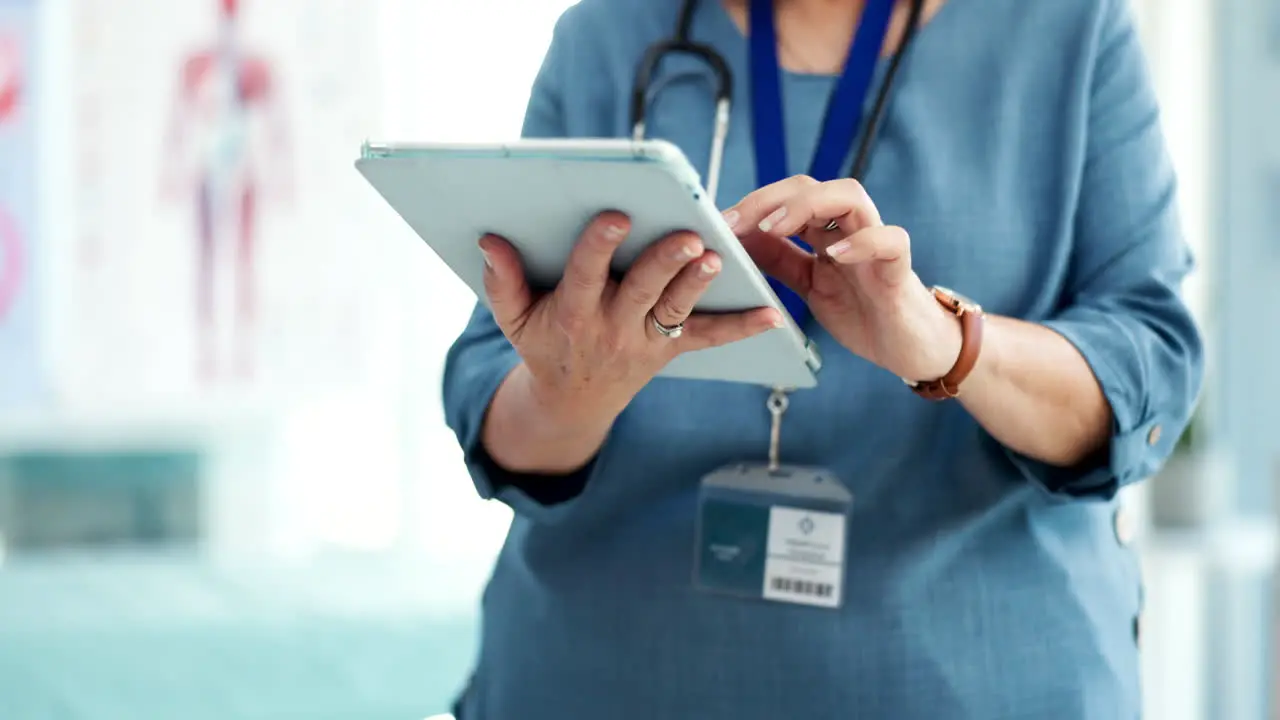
858 281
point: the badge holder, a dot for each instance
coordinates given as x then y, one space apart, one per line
772 531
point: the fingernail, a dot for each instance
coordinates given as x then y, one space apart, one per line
839 248
709 267
614 232
488 261
731 217
688 252
774 218
779 322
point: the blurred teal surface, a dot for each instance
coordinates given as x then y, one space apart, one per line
111 610
62 500
158 638
145 465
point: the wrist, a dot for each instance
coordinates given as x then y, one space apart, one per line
531 429
944 344
962 318
938 338
561 411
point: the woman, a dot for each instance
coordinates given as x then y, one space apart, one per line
1020 162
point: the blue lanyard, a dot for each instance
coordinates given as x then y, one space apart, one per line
843 118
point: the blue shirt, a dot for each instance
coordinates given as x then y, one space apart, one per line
1022 151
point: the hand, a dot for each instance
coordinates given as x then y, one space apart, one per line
590 345
858 282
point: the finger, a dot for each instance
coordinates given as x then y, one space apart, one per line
844 201
649 276
888 246
587 271
504 282
681 294
703 331
781 259
815 206
747 215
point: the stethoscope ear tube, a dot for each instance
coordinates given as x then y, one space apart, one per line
645 72
863 156
653 57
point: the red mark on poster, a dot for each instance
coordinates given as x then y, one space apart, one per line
11 260
10 77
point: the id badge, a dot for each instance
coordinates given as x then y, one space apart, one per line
777 534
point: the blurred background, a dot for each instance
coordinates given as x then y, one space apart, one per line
226 489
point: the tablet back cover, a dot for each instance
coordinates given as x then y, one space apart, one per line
542 201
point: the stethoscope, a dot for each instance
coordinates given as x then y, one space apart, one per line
680 44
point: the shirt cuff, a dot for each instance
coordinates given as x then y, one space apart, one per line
541 498
1130 458
544 490
1139 442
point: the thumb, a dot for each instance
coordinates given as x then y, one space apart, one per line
781 259
504 281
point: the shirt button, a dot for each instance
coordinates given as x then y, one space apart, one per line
1124 526
1153 437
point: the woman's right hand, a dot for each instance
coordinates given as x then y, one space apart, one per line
591 344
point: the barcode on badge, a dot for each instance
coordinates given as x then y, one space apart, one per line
796 586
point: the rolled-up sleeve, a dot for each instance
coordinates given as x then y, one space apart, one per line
481 357
479 361
1123 309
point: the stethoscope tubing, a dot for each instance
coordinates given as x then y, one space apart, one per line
680 44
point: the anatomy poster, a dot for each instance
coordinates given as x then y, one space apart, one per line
219 221
21 363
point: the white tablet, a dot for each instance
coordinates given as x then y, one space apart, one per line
540 194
